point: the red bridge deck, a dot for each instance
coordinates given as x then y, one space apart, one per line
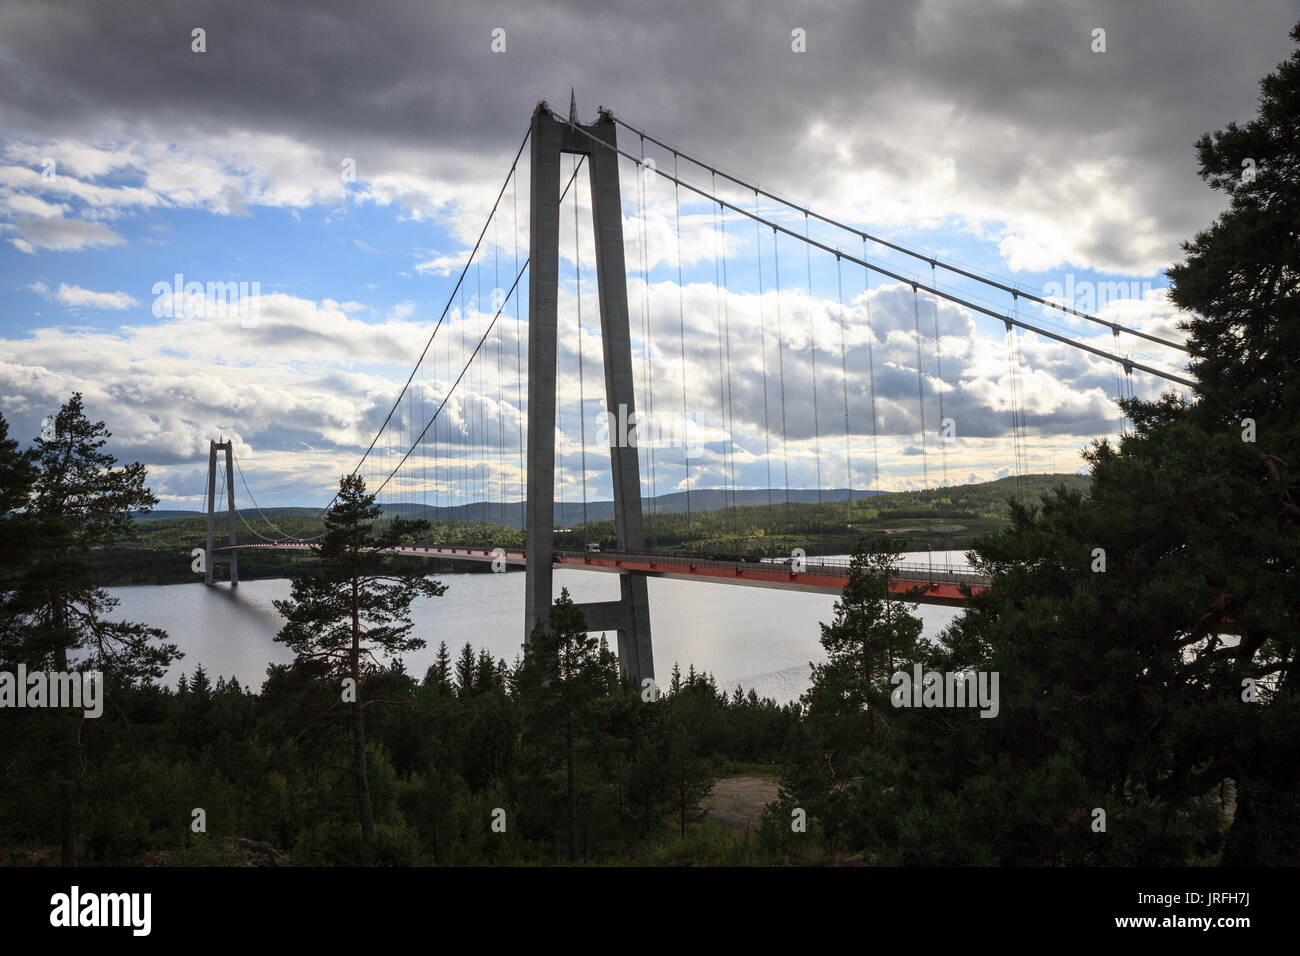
936 585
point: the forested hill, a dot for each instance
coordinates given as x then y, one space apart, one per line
950 517
570 513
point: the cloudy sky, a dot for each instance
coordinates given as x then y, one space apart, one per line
337 162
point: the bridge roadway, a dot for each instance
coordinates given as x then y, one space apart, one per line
927 584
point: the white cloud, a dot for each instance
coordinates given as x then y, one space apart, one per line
443 265
59 235
84 298
72 156
32 206
348 307
99 199
401 311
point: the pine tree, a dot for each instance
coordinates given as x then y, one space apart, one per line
873 632
357 606
1238 283
560 681
466 668
485 673
1158 686
439 673
686 765
200 685
608 665
77 500
872 635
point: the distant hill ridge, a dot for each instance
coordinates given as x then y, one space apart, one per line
569 513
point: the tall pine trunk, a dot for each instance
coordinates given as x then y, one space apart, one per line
359 730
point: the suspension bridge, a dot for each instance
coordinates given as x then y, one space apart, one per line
756 350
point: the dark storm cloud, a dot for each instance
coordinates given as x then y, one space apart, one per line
1011 91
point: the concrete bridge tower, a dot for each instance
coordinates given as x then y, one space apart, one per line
230 557
630 614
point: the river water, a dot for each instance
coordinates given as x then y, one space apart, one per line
755 637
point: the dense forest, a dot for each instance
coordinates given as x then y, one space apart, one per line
1139 637
271 770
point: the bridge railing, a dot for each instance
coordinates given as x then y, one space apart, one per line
912 572
904 571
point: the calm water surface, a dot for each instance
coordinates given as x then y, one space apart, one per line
756 637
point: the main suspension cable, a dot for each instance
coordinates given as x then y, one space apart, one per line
957 300
514 164
950 267
437 413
